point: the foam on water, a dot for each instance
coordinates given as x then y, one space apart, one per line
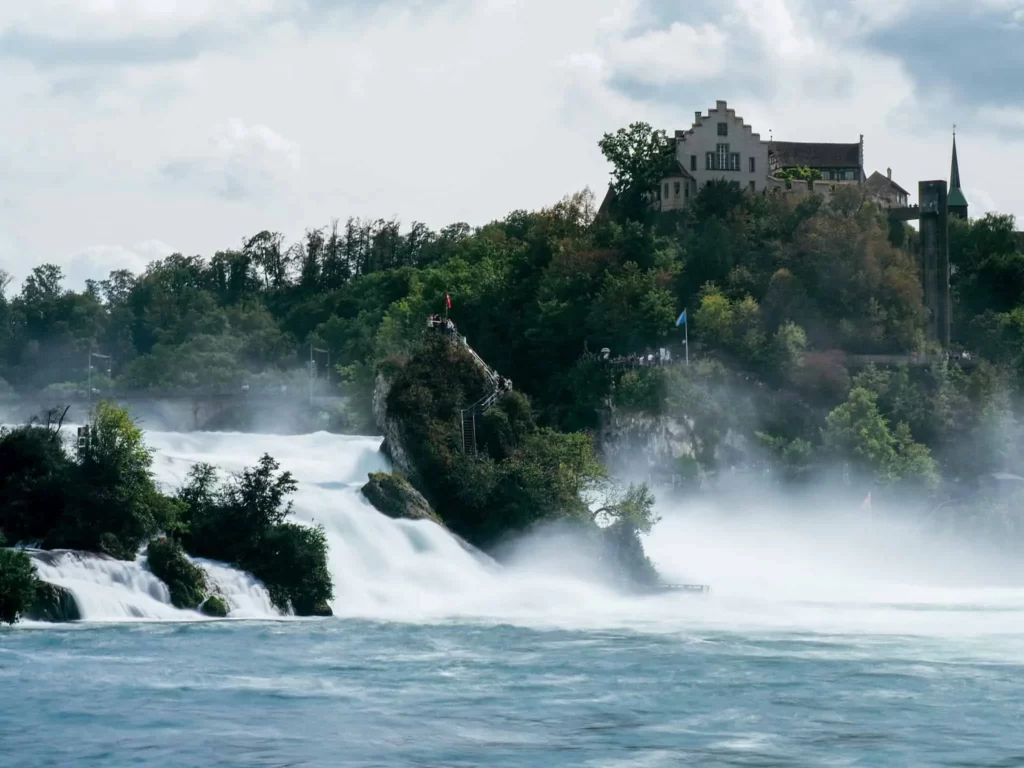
108 590
382 568
772 570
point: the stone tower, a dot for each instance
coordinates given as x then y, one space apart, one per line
956 201
934 217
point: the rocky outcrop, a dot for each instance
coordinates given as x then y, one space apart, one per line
640 444
394 496
394 444
53 603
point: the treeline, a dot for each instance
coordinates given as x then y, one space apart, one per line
775 290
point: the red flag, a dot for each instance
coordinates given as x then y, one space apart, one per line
447 300
867 502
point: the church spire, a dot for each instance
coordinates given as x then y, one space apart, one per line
956 201
954 171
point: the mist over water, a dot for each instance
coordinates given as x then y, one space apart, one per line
830 637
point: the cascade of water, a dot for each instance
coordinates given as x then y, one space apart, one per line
106 589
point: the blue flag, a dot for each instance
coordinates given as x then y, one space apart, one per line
682 319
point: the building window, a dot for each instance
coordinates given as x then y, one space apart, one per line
677 189
686 191
693 162
723 129
709 159
753 187
734 161
721 157
666 189
751 165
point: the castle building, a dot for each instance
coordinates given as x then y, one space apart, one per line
835 162
718 146
721 146
886 192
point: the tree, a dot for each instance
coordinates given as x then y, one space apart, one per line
18 583
640 158
633 506
856 430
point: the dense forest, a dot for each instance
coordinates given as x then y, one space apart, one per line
776 292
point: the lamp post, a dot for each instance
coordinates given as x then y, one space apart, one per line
89 377
312 366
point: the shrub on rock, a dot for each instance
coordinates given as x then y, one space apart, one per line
17 584
185 580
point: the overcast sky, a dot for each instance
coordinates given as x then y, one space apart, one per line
133 128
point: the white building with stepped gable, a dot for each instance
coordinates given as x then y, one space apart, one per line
721 146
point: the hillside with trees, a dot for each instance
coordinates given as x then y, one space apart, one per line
777 293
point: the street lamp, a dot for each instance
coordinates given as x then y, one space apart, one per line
312 366
102 357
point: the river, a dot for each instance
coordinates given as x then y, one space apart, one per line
828 640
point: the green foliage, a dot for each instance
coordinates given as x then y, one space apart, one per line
35 482
632 508
117 506
215 606
17 583
640 157
185 580
641 389
858 431
103 500
793 457
242 522
527 474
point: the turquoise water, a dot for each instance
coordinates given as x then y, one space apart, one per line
358 693
828 639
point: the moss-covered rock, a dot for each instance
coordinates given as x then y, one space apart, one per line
53 603
322 609
215 606
185 580
394 496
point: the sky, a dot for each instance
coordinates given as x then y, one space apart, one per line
130 129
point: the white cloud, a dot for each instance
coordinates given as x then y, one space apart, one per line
98 261
240 161
436 111
671 55
112 19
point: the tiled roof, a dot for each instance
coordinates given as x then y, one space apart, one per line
678 171
795 154
877 181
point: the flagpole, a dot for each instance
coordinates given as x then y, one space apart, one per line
686 336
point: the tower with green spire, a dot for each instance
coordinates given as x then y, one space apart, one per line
956 201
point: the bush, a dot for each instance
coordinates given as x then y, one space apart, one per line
18 584
185 580
292 563
35 476
242 522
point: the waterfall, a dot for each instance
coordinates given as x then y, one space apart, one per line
106 589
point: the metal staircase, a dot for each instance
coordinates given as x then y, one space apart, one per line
480 407
469 432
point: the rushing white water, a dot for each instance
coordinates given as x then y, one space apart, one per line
770 568
106 589
382 568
